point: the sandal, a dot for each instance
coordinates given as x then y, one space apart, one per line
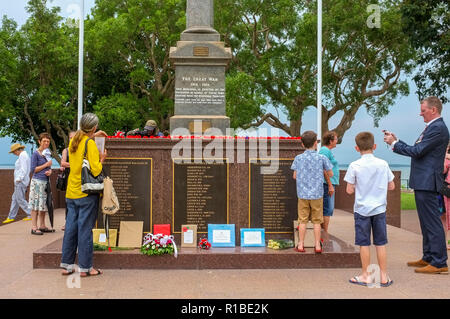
318 251
88 273
46 230
67 272
36 232
357 281
299 250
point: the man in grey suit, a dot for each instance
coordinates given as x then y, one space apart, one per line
426 178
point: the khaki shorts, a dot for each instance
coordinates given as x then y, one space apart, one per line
310 209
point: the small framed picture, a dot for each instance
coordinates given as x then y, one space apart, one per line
222 235
253 237
189 236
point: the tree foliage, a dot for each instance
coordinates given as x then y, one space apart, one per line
274 41
129 77
38 69
427 23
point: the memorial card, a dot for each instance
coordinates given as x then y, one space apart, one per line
99 237
131 234
253 237
100 141
221 235
189 236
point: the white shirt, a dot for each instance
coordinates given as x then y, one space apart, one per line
22 169
371 176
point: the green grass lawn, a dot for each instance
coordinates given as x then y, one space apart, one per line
408 202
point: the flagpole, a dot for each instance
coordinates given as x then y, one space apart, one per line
80 64
319 70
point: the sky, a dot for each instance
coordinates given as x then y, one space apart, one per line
403 119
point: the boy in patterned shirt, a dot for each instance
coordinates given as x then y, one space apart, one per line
309 169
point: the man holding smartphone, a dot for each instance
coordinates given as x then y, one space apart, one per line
426 178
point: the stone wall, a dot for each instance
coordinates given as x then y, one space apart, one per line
7 187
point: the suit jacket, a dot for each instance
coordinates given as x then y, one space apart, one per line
427 157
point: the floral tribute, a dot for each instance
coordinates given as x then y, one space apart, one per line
204 244
159 244
120 134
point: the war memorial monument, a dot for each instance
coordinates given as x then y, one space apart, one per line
203 176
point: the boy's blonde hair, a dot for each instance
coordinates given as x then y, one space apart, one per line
365 141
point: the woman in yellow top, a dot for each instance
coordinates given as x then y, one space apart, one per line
82 209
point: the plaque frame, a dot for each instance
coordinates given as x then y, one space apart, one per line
226 161
151 185
222 227
253 230
250 160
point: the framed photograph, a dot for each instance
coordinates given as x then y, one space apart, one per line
253 237
189 236
222 235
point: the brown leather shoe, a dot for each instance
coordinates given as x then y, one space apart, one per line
418 263
431 270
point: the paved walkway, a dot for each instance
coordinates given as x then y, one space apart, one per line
19 280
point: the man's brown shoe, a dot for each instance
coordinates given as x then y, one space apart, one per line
418 263
431 270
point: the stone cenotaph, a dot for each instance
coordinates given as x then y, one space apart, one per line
200 60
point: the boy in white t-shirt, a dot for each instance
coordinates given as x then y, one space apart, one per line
370 178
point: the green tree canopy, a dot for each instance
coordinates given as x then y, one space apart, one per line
38 70
427 23
274 42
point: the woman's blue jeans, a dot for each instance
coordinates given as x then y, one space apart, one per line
81 216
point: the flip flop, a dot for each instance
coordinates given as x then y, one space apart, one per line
357 281
46 230
88 273
67 273
300 250
35 232
388 283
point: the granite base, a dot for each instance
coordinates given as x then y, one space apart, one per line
336 254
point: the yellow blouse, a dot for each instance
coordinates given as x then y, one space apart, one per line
75 161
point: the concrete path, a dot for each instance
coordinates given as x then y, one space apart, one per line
19 280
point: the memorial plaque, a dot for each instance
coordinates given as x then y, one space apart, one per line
273 197
201 51
132 181
200 195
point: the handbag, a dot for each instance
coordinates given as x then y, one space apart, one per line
61 180
445 189
90 184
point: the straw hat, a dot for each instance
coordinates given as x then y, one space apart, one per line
16 147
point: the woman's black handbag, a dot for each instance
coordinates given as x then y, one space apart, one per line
90 184
61 180
445 189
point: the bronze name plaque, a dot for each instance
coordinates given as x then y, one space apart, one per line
273 197
205 125
201 51
200 195
132 182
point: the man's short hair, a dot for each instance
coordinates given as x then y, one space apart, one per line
309 138
328 137
433 101
365 141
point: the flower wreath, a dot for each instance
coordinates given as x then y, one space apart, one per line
159 244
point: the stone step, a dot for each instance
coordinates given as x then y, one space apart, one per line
336 254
